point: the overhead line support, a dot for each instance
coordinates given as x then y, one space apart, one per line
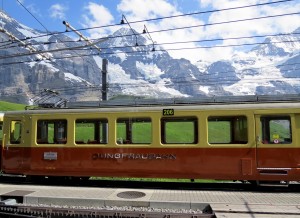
31 48
80 35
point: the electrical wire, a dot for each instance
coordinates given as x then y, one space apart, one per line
54 36
166 43
167 17
141 51
271 16
211 24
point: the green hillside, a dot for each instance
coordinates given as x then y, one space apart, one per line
7 106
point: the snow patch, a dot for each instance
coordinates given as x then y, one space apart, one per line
28 32
49 65
98 61
120 54
72 77
150 71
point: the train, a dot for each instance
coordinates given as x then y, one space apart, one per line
249 141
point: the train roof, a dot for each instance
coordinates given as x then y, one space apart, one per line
212 100
216 103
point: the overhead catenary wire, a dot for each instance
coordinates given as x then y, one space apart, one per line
32 15
1 57
205 77
167 17
56 37
174 83
135 51
168 43
181 81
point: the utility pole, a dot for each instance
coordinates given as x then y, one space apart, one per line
104 61
104 79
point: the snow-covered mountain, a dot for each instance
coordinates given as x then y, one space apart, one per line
269 68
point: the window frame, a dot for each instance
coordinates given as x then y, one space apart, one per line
266 134
98 131
238 129
128 135
165 120
59 133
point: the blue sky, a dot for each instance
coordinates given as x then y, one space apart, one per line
95 13
51 12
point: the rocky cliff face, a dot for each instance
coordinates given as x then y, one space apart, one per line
269 68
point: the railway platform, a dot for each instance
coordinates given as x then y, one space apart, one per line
233 204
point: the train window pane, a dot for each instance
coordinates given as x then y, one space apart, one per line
91 131
179 130
15 132
134 131
276 130
227 130
51 132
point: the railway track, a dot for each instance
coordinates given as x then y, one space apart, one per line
32 211
70 201
113 212
230 185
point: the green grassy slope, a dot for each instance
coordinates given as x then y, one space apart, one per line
7 106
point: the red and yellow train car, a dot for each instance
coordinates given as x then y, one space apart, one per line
249 141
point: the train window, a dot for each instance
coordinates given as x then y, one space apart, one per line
51 132
227 130
15 132
134 131
276 130
179 130
91 131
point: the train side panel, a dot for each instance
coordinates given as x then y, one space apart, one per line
219 143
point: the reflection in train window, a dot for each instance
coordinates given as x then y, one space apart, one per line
51 131
15 132
179 130
134 131
227 130
276 130
91 131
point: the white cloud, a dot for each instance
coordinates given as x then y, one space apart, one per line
284 24
136 10
33 9
145 9
97 15
57 11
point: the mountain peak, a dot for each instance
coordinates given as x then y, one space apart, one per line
279 45
128 37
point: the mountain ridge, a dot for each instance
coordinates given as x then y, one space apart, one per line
271 67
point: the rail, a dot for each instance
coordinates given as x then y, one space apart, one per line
60 212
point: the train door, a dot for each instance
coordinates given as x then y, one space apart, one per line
13 149
275 146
